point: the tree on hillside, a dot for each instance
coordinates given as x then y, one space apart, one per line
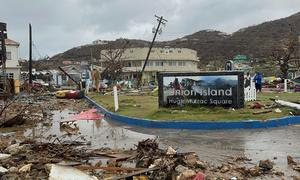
112 58
285 54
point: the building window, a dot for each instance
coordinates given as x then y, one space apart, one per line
161 51
179 51
136 64
131 51
170 51
170 63
152 51
10 75
139 63
8 55
159 63
128 64
149 63
181 63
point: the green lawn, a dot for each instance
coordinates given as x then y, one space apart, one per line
146 106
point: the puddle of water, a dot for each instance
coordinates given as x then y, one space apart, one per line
100 133
212 146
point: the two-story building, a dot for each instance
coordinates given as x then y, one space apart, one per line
160 60
12 59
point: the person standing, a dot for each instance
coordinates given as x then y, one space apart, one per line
258 81
96 79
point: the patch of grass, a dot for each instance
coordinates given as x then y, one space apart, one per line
146 106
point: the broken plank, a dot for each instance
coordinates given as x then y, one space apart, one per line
116 156
262 112
109 168
135 173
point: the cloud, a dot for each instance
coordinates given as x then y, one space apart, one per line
62 24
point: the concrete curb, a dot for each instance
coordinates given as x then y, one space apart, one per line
203 125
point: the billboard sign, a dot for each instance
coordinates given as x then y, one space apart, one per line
207 88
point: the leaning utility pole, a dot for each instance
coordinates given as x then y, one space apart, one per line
160 20
30 55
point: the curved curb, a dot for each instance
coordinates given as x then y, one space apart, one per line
203 125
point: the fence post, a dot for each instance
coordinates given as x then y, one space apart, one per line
285 85
116 102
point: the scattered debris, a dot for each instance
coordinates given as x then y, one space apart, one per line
171 151
241 158
3 170
15 149
287 104
55 157
4 156
67 172
256 105
70 128
262 112
291 162
25 168
70 94
266 165
187 174
91 114
199 176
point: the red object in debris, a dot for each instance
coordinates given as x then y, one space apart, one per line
91 114
72 94
199 176
256 105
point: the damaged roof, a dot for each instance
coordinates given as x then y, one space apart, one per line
11 42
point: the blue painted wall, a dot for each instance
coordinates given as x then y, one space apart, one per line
204 125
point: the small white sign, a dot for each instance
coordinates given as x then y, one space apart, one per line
116 98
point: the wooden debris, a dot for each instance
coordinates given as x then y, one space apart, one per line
262 112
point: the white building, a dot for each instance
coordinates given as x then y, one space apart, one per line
12 61
160 60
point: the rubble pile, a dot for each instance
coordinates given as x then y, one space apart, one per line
31 109
30 159
171 164
295 165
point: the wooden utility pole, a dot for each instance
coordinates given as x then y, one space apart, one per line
3 76
30 56
160 20
3 36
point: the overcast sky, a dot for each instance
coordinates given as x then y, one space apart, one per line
62 24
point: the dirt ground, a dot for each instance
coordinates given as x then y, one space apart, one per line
45 146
